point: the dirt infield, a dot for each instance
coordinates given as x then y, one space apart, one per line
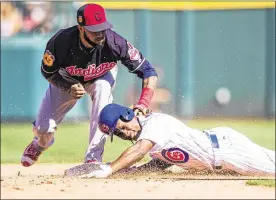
46 181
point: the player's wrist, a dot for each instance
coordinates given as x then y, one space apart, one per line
139 107
145 98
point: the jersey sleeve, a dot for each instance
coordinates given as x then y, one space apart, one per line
150 131
50 63
154 129
131 57
54 54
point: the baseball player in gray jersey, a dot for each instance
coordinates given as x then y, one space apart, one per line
169 140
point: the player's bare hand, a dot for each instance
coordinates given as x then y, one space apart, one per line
103 171
137 112
77 91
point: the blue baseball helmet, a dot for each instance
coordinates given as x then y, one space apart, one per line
110 115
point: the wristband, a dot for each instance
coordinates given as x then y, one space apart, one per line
145 97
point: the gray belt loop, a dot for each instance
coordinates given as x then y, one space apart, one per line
215 147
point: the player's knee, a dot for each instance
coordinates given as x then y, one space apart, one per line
45 126
45 134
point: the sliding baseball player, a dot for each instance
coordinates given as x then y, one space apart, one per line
167 139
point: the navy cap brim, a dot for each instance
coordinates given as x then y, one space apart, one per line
100 27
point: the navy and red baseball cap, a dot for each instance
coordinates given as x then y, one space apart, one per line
93 18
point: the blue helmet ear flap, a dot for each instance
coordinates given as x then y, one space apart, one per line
127 116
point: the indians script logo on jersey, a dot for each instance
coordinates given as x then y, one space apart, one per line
133 53
175 155
91 72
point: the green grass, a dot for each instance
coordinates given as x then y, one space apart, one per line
71 140
266 183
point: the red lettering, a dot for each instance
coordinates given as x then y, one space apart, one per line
104 65
111 65
91 72
79 72
86 72
99 69
70 70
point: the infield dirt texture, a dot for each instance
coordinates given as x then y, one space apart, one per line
46 181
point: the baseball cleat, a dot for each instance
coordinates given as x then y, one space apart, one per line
30 155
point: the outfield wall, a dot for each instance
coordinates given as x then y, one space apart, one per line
195 52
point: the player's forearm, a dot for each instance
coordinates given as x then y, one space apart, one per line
128 158
57 80
150 82
149 85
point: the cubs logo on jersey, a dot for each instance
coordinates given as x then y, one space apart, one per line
175 155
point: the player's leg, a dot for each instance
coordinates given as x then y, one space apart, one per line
242 155
100 92
53 108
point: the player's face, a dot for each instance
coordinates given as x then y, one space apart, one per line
96 37
128 130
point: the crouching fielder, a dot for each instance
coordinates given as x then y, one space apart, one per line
169 140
